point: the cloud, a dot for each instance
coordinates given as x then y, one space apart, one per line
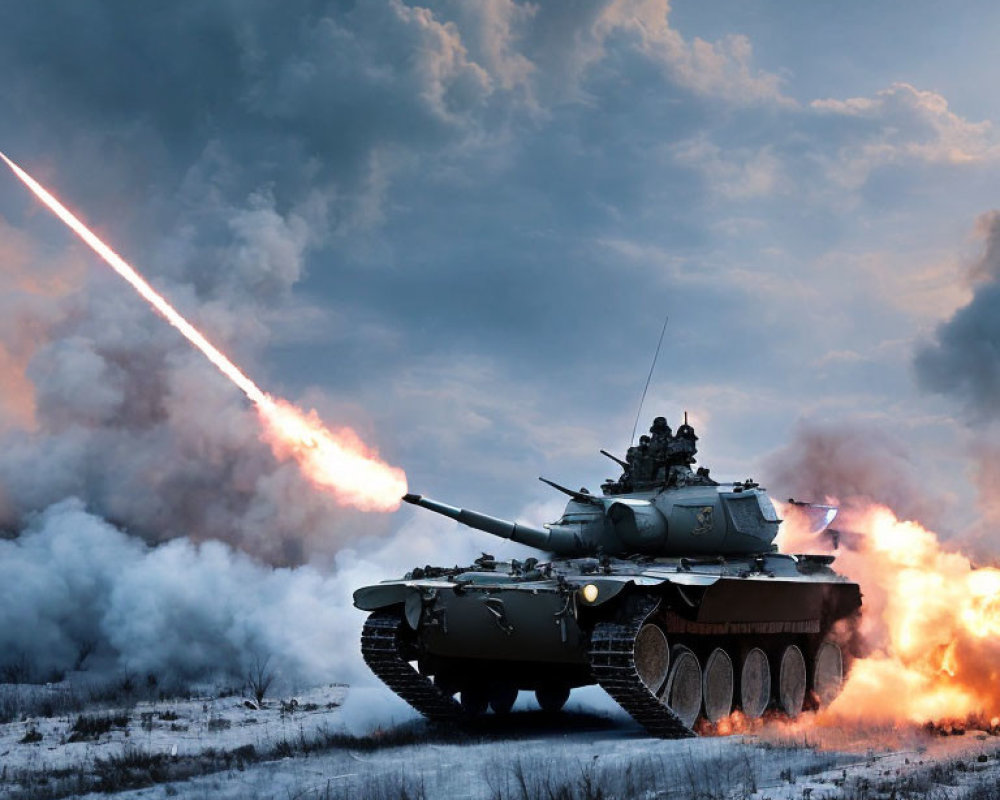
721 69
902 124
390 50
493 32
736 174
830 149
571 44
920 284
352 197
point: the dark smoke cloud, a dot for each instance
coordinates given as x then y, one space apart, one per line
852 464
963 359
962 362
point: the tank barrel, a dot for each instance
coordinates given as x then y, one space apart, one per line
524 534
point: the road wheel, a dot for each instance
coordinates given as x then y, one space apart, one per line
828 672
755 683
717 685
552 698
474 701
502 697
792 681
683 688
652 656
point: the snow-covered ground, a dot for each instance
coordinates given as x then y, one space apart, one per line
365 743
178 728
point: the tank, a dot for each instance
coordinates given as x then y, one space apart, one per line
665 589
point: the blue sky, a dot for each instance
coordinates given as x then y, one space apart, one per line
458 227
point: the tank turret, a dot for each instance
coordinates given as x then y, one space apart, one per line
689 520
658 507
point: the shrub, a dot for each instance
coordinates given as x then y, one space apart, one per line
88 728
31 736
260 676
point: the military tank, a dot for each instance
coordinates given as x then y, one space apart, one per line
666 590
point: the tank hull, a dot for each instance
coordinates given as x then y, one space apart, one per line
475 631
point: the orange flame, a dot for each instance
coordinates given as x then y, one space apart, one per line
930 618
337 461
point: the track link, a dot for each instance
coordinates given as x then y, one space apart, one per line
382 652
612 660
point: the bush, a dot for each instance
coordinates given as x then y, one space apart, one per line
132 768
260 676
89 728
31 736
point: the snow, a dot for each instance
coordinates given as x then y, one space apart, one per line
592 739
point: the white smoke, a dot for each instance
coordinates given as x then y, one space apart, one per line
77 593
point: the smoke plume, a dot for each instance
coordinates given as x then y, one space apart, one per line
108 406
963 359
851 464
77 593
962 362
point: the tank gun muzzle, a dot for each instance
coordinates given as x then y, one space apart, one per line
553 540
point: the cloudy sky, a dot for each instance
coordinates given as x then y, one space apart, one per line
458 227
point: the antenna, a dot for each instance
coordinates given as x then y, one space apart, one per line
649 377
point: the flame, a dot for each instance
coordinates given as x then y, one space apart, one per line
338 461
930 623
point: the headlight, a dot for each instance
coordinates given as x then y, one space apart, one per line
589 593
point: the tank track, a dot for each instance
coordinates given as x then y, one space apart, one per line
382 652
612 660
